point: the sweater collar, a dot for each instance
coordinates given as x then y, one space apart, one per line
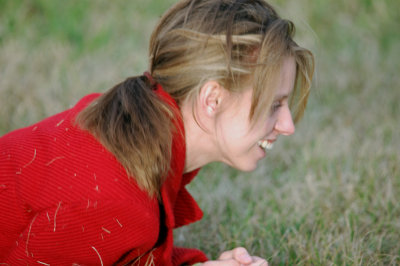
180 208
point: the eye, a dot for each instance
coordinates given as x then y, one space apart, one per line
275 106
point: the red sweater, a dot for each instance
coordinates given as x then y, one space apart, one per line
65 199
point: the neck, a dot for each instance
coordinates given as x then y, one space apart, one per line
200 147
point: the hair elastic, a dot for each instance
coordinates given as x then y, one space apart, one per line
150 78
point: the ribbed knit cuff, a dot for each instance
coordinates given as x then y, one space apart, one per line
186 256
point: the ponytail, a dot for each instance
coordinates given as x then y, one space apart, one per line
135 125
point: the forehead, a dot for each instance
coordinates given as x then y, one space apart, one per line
276 83
261 99
287 78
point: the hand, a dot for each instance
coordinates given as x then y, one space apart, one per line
237 257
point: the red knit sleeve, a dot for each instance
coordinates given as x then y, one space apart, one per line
89 233
187 256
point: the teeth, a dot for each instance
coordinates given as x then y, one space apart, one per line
265 144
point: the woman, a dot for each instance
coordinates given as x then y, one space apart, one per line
104 182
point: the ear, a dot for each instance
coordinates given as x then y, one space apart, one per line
210 98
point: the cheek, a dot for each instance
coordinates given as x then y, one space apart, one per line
270 124
228 135
233 137
265 126
232 127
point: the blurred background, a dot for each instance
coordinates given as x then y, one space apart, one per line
327 195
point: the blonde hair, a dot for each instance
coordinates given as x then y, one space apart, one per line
229 41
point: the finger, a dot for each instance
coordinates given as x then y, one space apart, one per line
226 255
228 262
241 255
257 261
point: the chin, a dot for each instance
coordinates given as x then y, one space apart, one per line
243 164
250 169
246 167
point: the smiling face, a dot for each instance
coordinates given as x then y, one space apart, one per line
241 143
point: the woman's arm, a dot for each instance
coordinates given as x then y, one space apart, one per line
90 233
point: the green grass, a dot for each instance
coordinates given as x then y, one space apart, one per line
329 195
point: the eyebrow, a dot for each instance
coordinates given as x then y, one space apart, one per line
281 97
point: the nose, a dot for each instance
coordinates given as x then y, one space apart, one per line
284 124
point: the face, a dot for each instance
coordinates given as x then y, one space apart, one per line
242 144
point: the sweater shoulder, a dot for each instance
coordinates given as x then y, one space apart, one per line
85 101
53 122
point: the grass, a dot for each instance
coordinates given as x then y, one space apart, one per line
329 195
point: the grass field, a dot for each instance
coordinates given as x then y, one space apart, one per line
329 195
